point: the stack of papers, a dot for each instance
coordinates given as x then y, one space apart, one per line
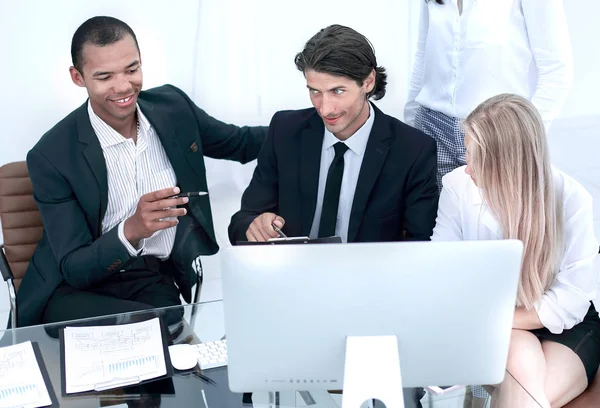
103 357
21 381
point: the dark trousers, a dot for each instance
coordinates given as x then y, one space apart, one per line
143 285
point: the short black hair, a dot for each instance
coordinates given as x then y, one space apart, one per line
342 51
99 31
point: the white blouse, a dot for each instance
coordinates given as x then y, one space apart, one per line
495 46
463 216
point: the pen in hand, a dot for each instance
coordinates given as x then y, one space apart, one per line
278 231
190 194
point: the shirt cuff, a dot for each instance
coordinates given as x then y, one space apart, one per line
549 317
130 248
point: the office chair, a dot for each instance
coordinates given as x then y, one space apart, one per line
22 229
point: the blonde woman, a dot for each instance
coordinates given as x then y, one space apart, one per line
508 189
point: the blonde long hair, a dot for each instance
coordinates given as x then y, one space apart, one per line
509 159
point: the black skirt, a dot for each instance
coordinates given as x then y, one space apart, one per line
583 339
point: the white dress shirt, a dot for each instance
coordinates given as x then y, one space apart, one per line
353 158
134 169
463 216
495 46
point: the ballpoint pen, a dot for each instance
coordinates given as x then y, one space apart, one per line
190 194
278 231
198 373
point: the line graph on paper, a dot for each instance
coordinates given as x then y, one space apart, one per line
100 354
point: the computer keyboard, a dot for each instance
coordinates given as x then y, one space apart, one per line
212 354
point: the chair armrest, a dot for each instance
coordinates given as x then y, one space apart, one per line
4 267
199 280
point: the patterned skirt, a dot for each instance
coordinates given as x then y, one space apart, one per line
449 136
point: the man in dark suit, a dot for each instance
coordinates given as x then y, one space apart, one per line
115 239
343 167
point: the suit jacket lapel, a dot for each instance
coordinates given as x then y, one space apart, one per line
92 151
311 144
375 155
166 134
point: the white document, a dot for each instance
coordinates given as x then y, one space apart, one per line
21 381
104 357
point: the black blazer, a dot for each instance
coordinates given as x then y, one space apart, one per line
396 187
70 187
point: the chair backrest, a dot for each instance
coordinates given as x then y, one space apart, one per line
22 226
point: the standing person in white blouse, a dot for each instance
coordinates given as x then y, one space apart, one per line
509 190
470 50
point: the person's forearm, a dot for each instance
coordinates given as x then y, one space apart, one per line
526 320
95 262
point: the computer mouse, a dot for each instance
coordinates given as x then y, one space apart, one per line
183 356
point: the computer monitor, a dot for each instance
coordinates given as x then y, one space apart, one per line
288 310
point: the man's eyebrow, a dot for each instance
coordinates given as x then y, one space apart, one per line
100 73
134 63
331 89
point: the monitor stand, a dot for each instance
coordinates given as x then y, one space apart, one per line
372 371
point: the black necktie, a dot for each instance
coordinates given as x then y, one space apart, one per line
331 198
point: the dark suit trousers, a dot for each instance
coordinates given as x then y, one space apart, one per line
141 286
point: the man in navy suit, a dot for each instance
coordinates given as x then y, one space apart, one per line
343 167
115 240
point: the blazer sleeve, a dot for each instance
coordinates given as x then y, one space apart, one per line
421 198
82 260
225 141
262 194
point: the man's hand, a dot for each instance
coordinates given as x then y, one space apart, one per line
152 213
261 229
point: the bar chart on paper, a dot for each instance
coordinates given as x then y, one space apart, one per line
19 395
143 364
21 381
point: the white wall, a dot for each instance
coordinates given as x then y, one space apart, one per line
234 58
582 16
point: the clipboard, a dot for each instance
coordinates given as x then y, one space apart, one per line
168 365
153 391
295 241
45 375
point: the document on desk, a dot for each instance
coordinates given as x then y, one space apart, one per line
98 358
21 381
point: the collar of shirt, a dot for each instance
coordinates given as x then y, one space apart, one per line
358 141
107 136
